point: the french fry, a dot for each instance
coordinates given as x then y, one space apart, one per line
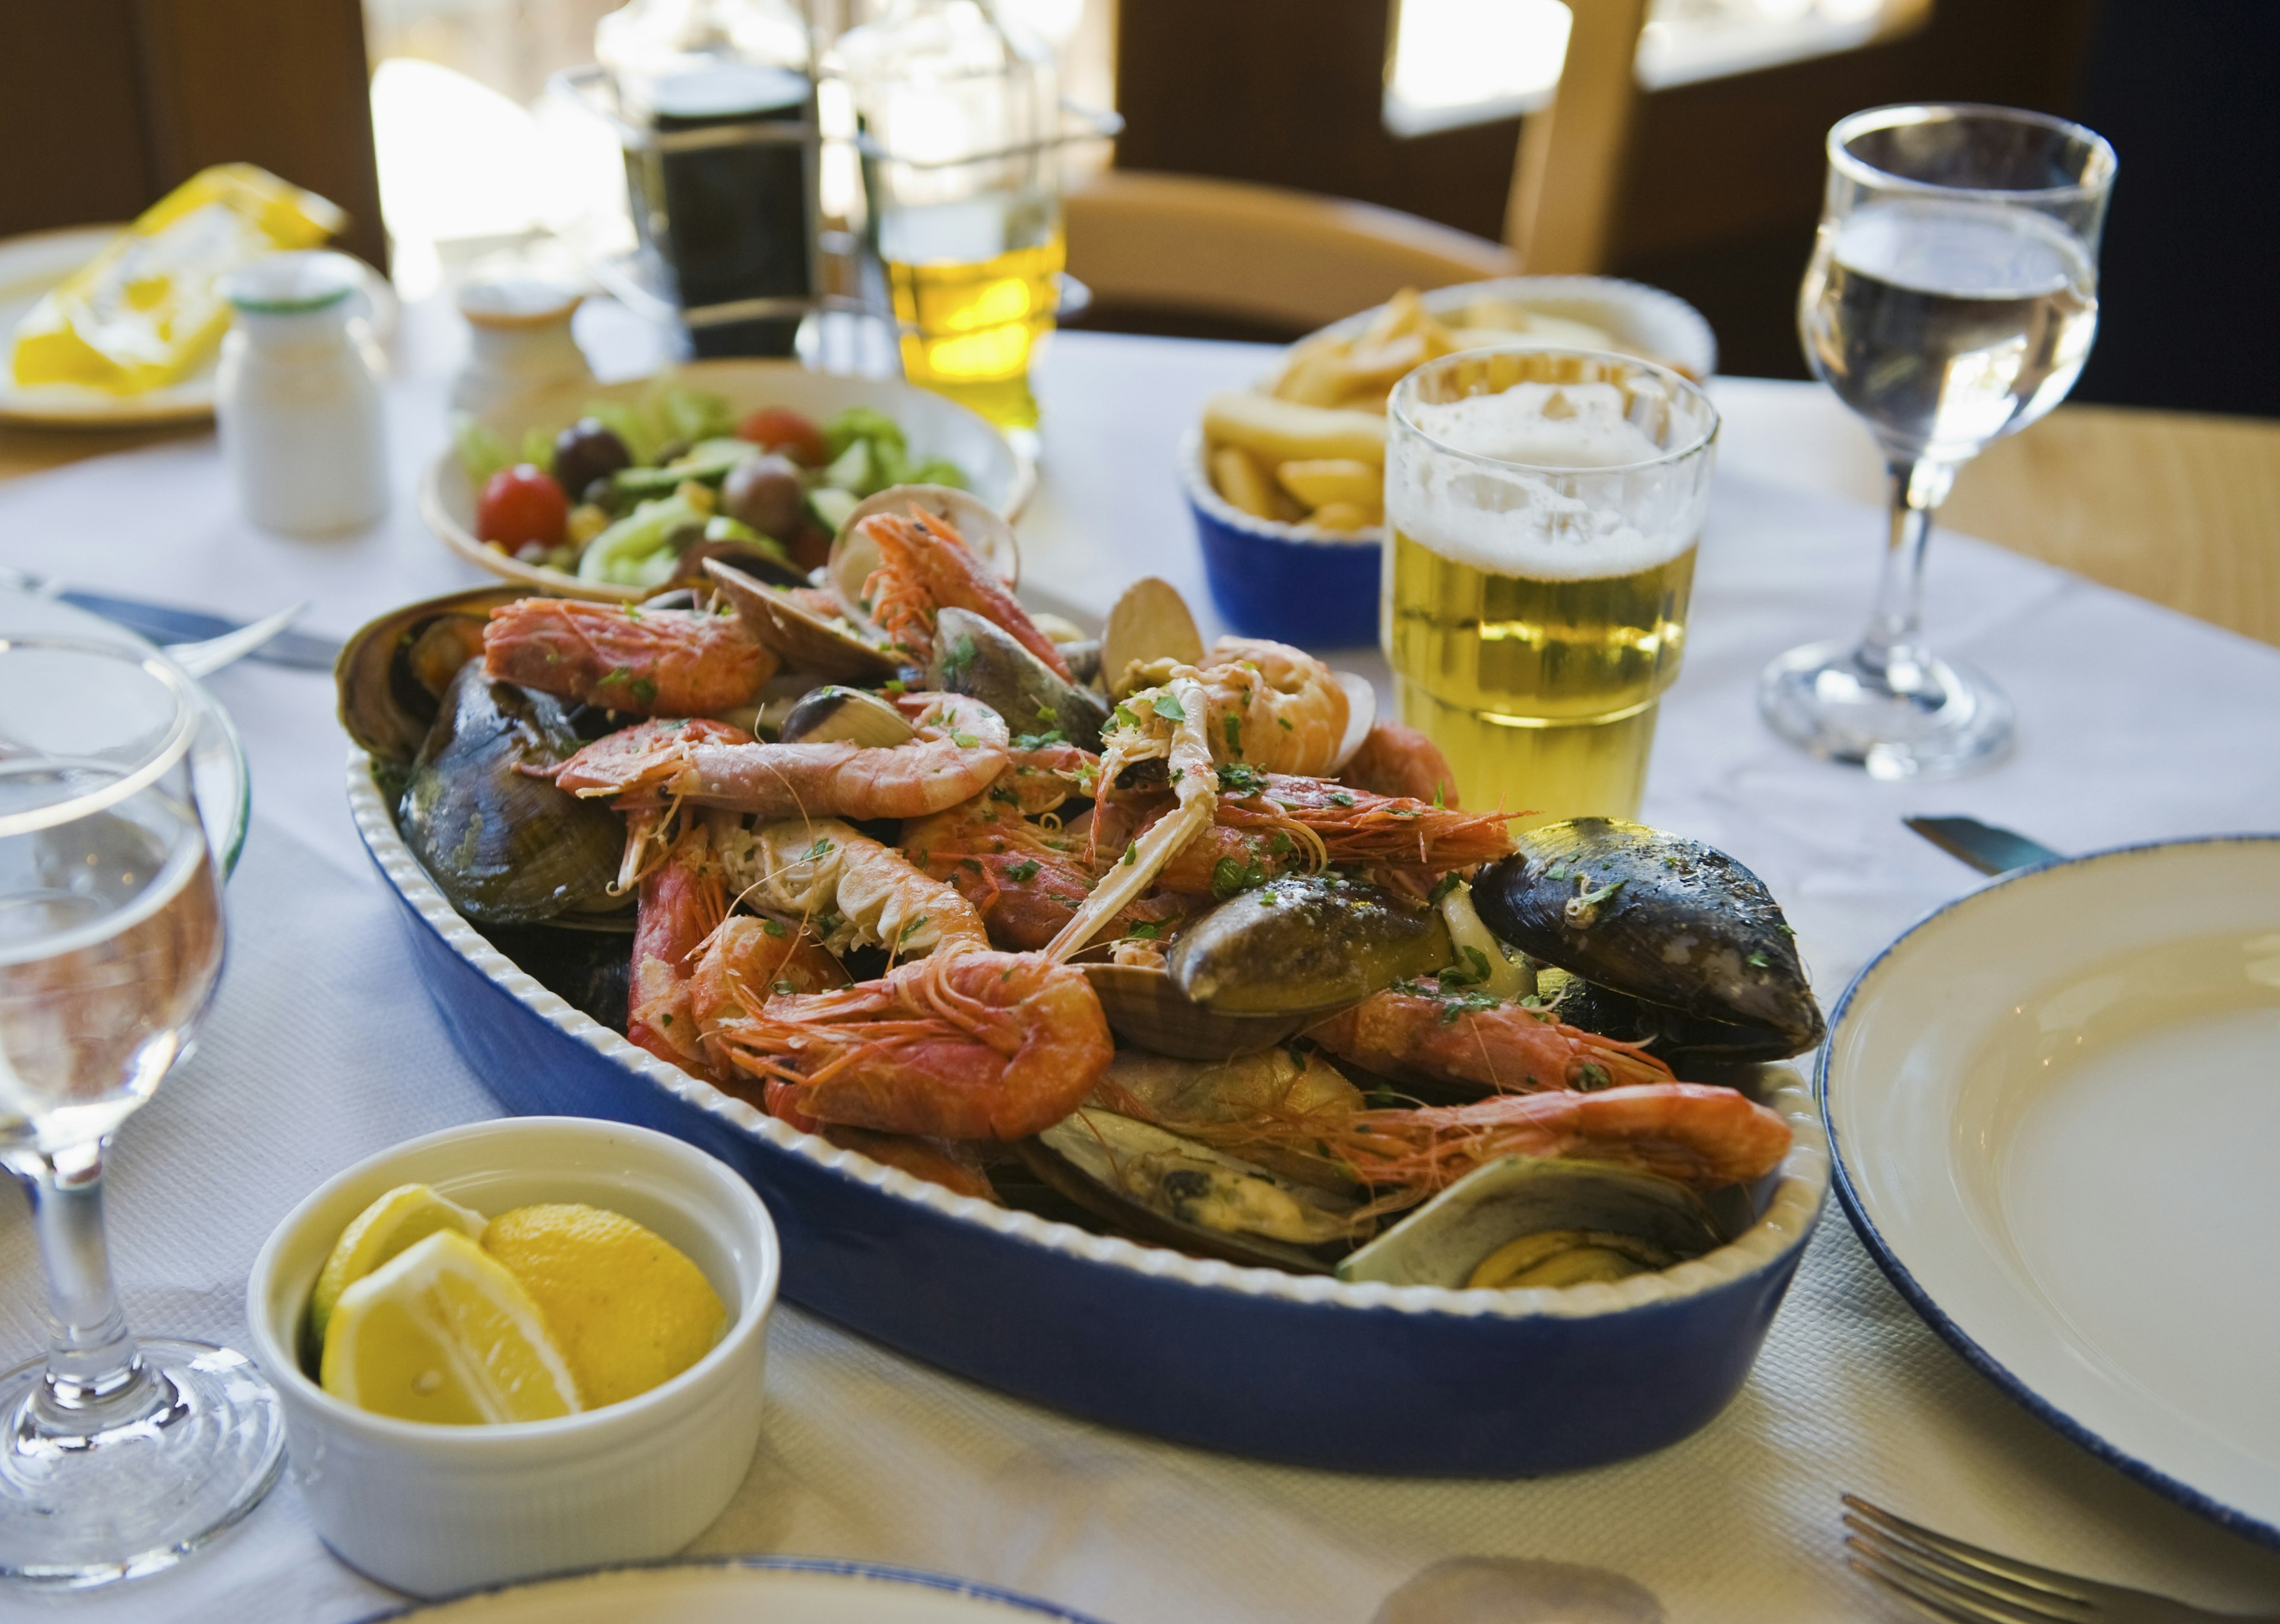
1280 431
1316 376
1347 515
1324 480
1397 315
1238 476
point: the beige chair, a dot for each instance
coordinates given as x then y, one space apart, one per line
1226 249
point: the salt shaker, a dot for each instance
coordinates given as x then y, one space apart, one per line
519 339
297 399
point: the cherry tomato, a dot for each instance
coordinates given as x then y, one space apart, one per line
779 429
520 505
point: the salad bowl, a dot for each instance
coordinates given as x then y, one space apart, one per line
934 425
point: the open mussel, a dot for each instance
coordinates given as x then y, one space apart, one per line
1306 944
1145 1006
392 672
1157 1186
1656 916
1535 1222
975 657
830 647
506 846
1673 1035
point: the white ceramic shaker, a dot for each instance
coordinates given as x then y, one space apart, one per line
297 399
518 339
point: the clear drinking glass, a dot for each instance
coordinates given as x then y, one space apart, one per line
1542 507
118 1456
1950 300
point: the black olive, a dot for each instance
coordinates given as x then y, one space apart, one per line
766 493
585 451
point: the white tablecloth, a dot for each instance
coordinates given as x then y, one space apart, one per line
2135 723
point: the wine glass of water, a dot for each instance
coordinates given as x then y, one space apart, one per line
1950 300
117 1457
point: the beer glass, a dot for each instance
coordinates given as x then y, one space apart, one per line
116 1456
1950 299
1542 509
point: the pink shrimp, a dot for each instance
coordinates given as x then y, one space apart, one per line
1697 1134
961 750
652 662
1502 1048
925 565
975 1044
1400 761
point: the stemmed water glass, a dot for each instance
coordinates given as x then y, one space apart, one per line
1950 300
116 1456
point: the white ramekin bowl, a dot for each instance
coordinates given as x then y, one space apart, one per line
432 1509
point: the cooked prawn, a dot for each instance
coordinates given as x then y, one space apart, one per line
1697 1134
1396 760
854 891
652 662
1269 705
1270 823
682 902
1504 1047
926 566
960 750
973 1044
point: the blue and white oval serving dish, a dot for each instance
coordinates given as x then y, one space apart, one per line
1299 1368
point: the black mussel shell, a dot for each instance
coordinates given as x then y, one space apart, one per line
1670 1035
980 659
506 846
392 672
1306 943
1657 916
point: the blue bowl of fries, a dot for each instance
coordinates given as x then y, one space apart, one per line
1298 584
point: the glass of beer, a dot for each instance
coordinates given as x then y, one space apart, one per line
1542 508
1950 299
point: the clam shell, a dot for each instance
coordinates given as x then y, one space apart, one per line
806 641
1146 1008
1362 716
832 714
1657 916
1306 945
854 555
1444 1242
392 672
1157 1186
976 657
1151 621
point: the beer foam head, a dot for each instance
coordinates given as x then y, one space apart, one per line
1535 507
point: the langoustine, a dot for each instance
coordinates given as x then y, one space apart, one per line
649 662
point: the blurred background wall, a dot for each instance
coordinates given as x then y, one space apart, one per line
427 119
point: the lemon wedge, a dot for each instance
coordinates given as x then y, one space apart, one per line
404 1215
444 1333
630 1309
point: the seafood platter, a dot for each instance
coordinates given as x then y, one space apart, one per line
1138 1026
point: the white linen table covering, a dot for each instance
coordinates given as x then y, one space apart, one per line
2135 723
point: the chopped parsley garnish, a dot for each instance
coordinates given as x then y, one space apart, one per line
960 656
1231 726
1168 707
1039 740
1442 886
1021 874
1238 779
774 927
964 740
909 930
1342 798
1146 933
1123 717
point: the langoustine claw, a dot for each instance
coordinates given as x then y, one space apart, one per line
650 662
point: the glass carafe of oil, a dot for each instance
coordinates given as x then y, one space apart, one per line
957 121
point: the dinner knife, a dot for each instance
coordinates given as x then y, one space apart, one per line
1989 850
163 623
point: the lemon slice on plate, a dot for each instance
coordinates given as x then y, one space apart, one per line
444 1333
630 1309
405 1215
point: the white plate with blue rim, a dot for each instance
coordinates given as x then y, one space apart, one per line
219 772
737 1590
2054 1105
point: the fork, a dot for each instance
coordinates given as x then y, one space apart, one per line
1945 1578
